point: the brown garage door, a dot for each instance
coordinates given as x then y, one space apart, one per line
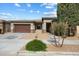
22 28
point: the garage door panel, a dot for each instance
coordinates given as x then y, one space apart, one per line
22 28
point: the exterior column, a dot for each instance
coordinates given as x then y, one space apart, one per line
2 29
44 27
12 27
77 30
32 28
6 28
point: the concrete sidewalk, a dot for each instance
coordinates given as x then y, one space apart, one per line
55 53
66 42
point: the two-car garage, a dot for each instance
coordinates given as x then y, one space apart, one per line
23 28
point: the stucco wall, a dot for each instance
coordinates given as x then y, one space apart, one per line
1 27
77 32
47 20
44 24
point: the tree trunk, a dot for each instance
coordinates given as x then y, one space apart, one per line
62 43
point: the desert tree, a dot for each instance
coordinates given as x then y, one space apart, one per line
59 30
68 12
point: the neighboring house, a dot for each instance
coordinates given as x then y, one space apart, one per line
2 26
26 26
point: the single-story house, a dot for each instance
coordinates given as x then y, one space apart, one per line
25 26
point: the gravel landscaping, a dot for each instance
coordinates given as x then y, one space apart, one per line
52 50
65 48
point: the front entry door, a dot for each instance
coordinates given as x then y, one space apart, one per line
38 26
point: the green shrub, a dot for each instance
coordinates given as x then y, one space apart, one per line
35 45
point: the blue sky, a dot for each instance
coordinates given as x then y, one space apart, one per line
27 11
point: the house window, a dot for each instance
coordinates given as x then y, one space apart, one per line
39 26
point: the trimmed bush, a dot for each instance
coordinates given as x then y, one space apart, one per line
35 45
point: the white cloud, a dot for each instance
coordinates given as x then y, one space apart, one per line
2 13
31 11
50 14
48 5
28 5
38 11
18 5
43 4
3 17
6 14
34 11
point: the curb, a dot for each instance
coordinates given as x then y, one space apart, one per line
27 53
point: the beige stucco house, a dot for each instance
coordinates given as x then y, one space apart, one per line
26 26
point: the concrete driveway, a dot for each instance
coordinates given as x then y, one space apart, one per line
10 43
11 35
10 47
